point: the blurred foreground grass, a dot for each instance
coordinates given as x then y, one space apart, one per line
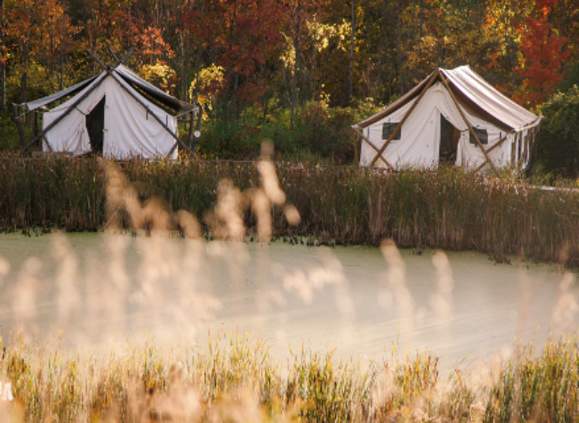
235 380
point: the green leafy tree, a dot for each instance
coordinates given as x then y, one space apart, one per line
557 149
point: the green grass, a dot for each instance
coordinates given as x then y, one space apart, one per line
236 381
449 209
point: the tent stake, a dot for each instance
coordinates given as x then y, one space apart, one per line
190 131
470 128
399 126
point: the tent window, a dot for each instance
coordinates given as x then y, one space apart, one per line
388 129
482 135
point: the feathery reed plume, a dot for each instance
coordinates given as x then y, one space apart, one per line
226 220
188 224
120 196
306 283
292 215
441 300
155 216
396 278
4 270
268 176
261 207
268 194
564 312
525 294
25 296
66 280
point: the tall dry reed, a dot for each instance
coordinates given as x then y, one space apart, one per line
448 209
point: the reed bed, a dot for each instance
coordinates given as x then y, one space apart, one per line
448 209
236 381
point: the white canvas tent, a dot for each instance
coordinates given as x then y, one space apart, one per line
117 114
453 117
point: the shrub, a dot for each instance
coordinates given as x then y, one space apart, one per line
316 132
557 149
8 133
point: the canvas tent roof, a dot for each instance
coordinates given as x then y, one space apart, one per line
73 89
158 95
477 94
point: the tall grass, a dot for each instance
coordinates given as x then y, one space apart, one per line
449 209
235 381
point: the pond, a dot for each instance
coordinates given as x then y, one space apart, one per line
360 302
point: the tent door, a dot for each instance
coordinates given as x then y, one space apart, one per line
449 137
95 125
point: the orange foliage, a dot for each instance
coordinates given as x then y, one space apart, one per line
152 43
544 52
242 36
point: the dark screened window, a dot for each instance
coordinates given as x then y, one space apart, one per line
482 135
388 129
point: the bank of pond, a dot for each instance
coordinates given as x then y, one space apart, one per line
449 209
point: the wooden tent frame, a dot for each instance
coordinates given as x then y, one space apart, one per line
110 71
437 74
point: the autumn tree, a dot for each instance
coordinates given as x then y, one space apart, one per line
38 37
544 54
244 38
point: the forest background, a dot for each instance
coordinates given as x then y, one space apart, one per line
299 72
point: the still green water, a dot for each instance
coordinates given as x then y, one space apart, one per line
89 289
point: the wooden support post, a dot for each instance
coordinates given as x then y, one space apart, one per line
466 121
47 144
190 132
199 110
381 157
495 145
16 119
399 126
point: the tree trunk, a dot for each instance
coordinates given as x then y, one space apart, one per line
20 128
351 68
2 65
2 87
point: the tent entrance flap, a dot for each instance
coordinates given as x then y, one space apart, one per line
95 125
449 138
